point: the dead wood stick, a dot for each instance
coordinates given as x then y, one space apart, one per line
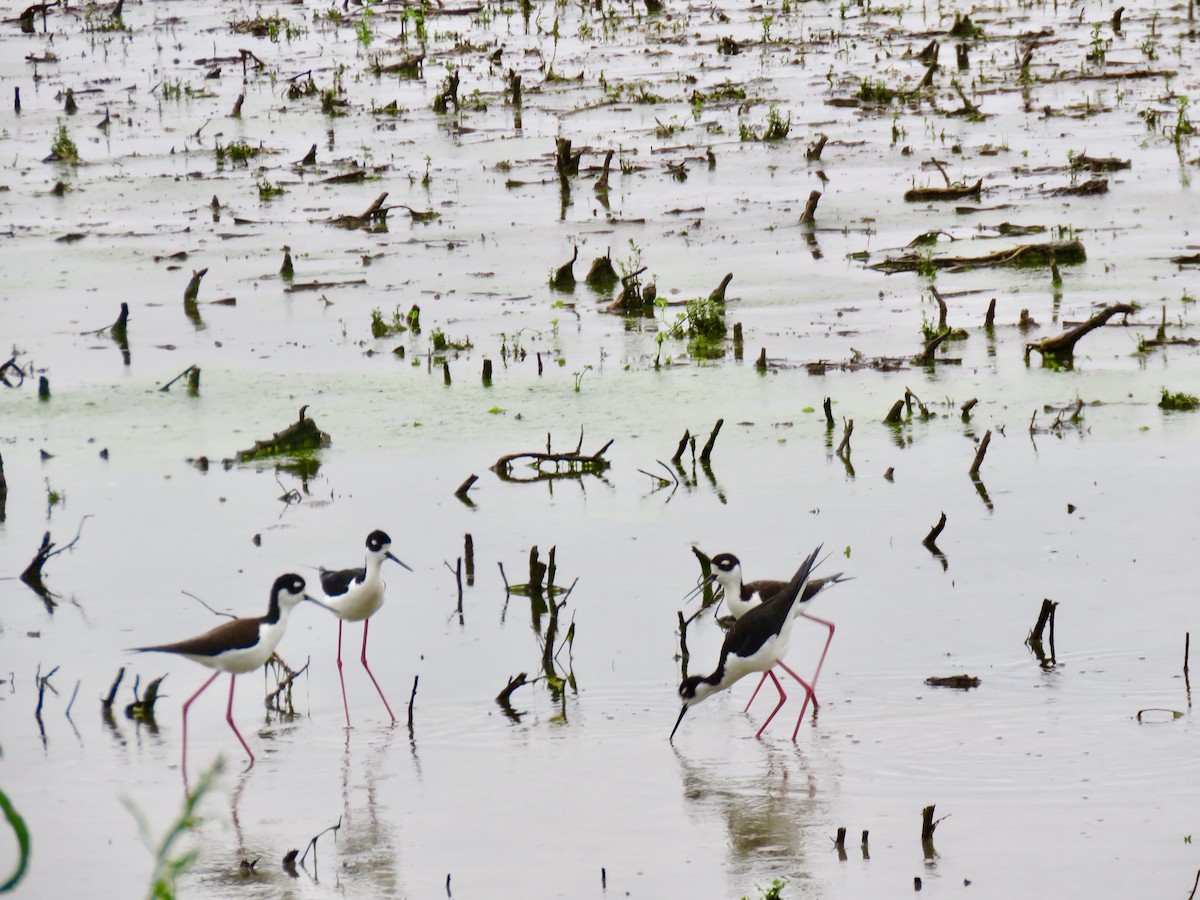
827 405
108 701
412 701
926 355
1046 614
192 291
968 107
513 683
466 486
683 442
967 407
312 845
979 453
1187 646
684 655
43 682
917 195
893 416
456 571
909 397
503 465
1064 344
840 840
845 443
272 700
602 182
942 310
712 439
718 294
809 216
33 572
1195 883
989 320
934 533
183 374
564 276
928 823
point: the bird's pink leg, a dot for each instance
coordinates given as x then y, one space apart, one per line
761 682
823 652
808 695
366 625
229 719
778 706
342 678
187 703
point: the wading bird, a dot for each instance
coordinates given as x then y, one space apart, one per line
742 596
237 647
756 643
355 595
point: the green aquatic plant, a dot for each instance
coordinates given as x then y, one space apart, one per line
63 149
272 27
381 327
362 29
54 497
776 127
875 90
237 152
774 892
170 864
1178 401
268 190
441 343
1098 49
21 833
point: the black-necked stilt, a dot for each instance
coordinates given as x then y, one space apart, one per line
355 595
238 647
756 643
741 597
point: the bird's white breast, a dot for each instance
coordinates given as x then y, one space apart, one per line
361 601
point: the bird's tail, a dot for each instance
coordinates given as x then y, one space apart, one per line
793 590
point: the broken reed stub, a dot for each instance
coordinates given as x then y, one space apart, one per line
1046 614
928 825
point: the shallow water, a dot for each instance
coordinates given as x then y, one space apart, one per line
1049 782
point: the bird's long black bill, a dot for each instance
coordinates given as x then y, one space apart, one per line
402 562
682 713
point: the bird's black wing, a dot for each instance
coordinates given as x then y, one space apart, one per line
337 582
758 624
764 589
235 635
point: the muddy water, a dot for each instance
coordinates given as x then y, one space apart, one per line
1049 781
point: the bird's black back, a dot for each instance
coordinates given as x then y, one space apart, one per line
337 582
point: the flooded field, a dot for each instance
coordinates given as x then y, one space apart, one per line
1034 159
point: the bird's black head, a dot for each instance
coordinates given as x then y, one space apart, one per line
377 540
687 688
725 562
290 583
